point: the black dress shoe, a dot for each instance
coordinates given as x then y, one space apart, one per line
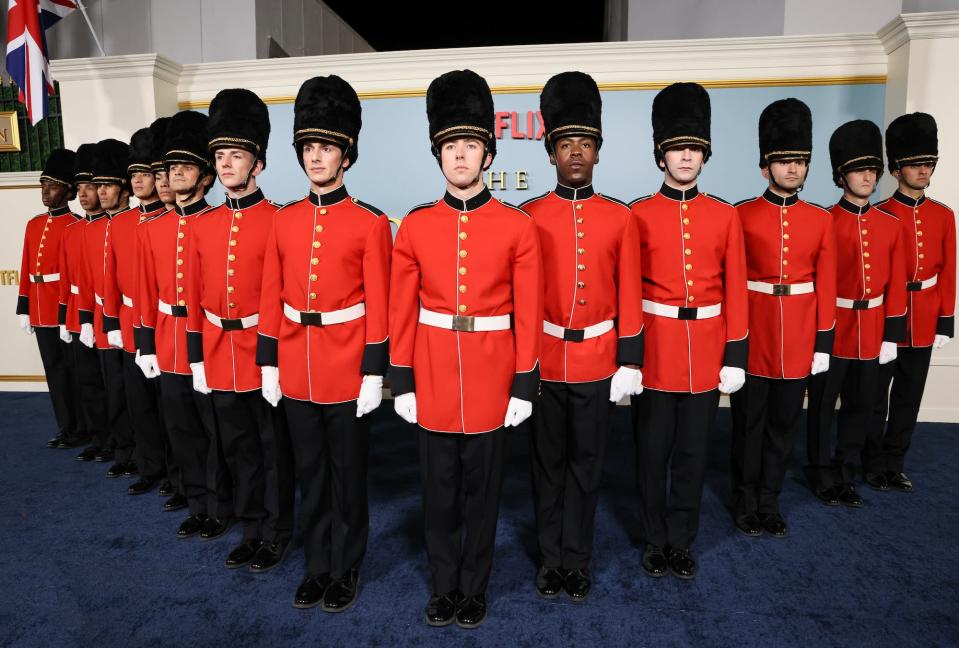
310 592
55 441
828 496
214 528
166 489
681 563
141 486
441 610
749 525
549 582
877 481
578 584
471 611
849 497
72 441
116 470
175 503
243 553
191 526
899 481
88 454
654 561
342 593
269 555
130 469
774 525
103 456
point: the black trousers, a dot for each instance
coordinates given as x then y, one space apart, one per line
854 381
118 417
567 452
248 429
886 445
148 432
56 367
462 478
766 415
330 451
91 394
672 432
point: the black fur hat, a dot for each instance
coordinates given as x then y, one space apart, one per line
460 104
571 106
86 154
60 167
785 132
912 139
681 118
111 158
141 151
159 128
186 141
853 146
327 109
239 119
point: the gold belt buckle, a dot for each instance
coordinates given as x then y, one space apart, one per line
464 323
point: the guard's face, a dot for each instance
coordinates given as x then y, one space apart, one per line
234 166
183 177
164 190
143 184
861 183
685 164
462 160
87 195
789 175
109 195
915 176
574 158
322 161
52 193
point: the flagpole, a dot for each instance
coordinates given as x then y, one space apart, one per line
83 10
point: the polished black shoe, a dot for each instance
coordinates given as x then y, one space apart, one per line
899 482
578 584
748 524
243 553
342 593
166 489
72 441
103 456
849 497
441 610
88 454
828 496
130 469
774 525
877 481
550 582
55 441
175 503
116 470
214 528
681 563
191 526
310 592
269 556
141 486
471 612
654 561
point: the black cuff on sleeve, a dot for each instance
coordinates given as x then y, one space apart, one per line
824 341
62 314
137 337
194 346
376 358
111 324
526 385
629 351
267 351
148 343
86 317
946 326
737 354
23 305
401 380
895 329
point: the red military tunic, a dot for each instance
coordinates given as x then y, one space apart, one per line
591 273
74 278
789 242
693 257
929 242
96 237
163 256
870 264
225 269
122 271
478 257
39 295
325 253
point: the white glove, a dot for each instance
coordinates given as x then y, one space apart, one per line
371 395
115 339
148 365
731 379
65 335
820 363
517 411
86 335
27 328
887 352
199 378
271 385
626 382
940 341
405 406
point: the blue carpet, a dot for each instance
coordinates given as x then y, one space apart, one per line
83 564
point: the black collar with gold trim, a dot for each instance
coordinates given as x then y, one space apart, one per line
907 201
679 194
97 216
853 208
780 201
59 211
470 204
192 208
244 202
573 193
151 207
335 196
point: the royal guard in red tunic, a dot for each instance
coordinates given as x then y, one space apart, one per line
929 241
695 309
791 269
323 338
224 271
592 340
39 295
466 322
76 322
161 298
119 289
870 315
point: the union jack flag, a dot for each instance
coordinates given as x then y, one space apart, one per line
27 62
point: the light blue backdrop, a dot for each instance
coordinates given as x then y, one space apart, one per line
395 170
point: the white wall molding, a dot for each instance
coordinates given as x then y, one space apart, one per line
908 27
115 67
19 179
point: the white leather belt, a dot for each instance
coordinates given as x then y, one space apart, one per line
74 289
232 324
781 290
316 318
127 301
914 286
577 335
465 323
98 299
859 304
682 312
170 309
38 278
